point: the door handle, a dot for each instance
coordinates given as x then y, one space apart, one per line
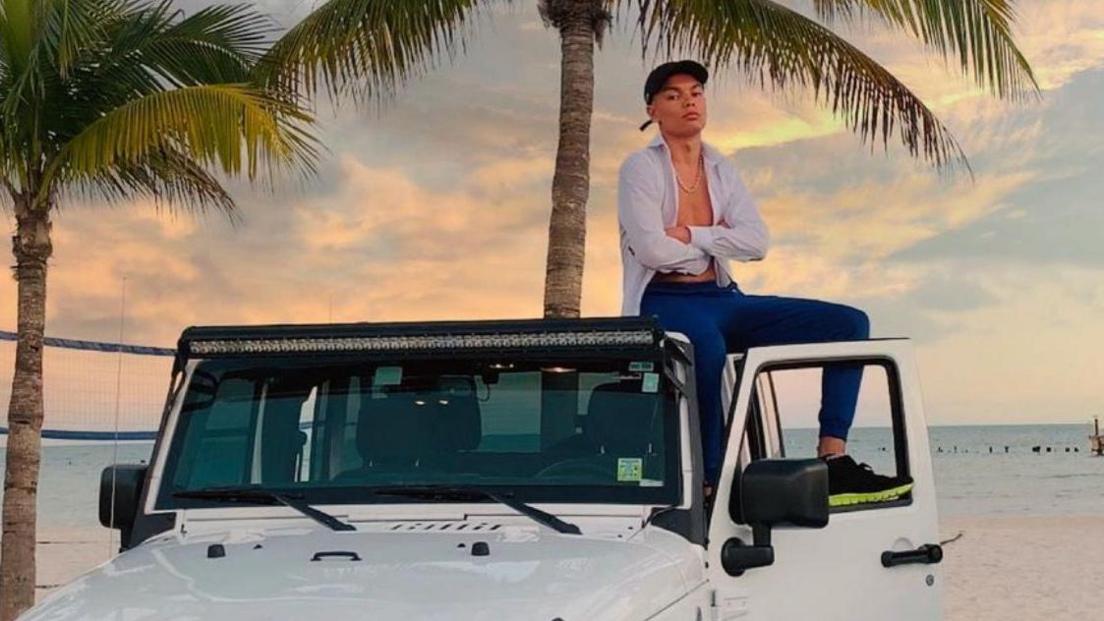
927 554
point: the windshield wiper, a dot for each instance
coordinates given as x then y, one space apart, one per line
265 497
436 493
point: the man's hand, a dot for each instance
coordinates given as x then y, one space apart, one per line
681 233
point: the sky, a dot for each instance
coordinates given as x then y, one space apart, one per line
435 206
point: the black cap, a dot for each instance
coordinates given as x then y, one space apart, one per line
659 76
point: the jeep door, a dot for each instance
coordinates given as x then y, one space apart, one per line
870 561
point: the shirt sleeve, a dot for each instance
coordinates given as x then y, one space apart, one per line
639 210
745 238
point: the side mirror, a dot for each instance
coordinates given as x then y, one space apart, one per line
773 492
120 490
785 491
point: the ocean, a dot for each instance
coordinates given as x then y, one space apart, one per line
970 480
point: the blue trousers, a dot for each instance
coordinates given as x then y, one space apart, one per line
722 320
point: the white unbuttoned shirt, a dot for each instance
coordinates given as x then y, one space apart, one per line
647 204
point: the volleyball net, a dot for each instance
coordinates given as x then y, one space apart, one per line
91 389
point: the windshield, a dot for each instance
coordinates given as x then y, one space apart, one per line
331 431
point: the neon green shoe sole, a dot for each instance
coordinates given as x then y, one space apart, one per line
862 498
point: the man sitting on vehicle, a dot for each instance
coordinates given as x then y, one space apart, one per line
683 212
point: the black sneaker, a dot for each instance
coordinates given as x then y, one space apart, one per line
850 483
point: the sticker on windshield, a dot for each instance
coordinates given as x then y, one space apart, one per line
650 383
641 366
630 469
387 376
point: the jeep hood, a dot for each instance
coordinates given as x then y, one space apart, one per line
526 573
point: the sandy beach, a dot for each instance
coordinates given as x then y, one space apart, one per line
1001 568
1024 568
64 554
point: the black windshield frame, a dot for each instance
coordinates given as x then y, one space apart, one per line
219 369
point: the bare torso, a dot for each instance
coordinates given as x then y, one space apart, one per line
694 209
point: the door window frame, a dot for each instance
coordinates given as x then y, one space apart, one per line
756 428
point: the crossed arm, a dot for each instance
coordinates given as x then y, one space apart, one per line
740 234
748 245
681 233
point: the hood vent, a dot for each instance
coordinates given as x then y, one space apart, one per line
459 527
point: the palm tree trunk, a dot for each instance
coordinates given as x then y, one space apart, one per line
32 248
563 284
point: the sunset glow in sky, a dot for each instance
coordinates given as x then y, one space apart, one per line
436 206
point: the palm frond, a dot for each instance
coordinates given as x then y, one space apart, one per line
5 65
781 48
50 34
145 80
978 31
24 84
6 128
219 43
7 196
156 43
17 17
69 26
233 128
168 177
368 46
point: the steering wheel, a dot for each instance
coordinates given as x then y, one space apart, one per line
576 466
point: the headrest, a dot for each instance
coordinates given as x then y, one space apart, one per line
390 426
621 419
456 416
419 418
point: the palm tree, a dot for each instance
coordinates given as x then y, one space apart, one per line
114 99
371 46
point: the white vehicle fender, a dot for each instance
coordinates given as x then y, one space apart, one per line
694 606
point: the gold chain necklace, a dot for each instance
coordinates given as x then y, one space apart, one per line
697 177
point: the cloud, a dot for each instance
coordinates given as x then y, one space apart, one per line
1025 358
1055 218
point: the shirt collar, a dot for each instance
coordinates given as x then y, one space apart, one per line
712 156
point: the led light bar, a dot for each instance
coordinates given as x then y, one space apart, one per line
321 344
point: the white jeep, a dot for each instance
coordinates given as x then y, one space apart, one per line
537 470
